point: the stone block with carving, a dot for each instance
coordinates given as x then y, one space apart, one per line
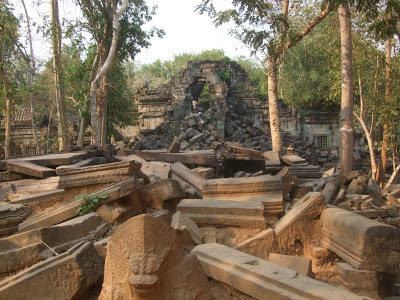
10 216
145 260
363 243
187 230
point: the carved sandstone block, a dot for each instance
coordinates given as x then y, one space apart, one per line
145 260
10 216
99 174
363 243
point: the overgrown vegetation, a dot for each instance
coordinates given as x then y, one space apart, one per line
90 203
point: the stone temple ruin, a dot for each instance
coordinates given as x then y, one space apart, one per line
197 206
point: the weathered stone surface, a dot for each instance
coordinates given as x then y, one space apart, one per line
222 213
331 188
42 200
66 276
272 159
294 160
243 152
205 172
117 212
11 215
259 245
79 164
265 189
69 210
187 230
175 145
24 249
302 265
289 182
145 261
165 193
106 173
10 176
363 243
262 279
361 282
375 192
199 158
30 169
182 173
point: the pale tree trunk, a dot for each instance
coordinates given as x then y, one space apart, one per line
346 113
273 104
58 80
393 177
8 112
30 80
385 139
366 132
94 86
274 54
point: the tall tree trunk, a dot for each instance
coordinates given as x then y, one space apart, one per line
346 113
94 86
8 112
57 75
30 80
273 103
385 139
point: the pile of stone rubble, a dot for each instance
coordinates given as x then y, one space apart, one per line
245 223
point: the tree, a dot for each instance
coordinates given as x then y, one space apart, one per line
9 26
32 70
275 37
57 75
101 18
346 112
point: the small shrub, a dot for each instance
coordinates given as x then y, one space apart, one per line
90 203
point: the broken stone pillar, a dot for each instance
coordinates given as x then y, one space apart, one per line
100 174
363 243
187 230
161 194
261 279
66 276
145 260
265 189
224 213
182 173
289 182
11 215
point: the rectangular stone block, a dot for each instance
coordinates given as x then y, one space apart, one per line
66 276
262 279
363 243
357 281
183 173
300 264
42 199
98 174
30 169
223 213
69 210
294 160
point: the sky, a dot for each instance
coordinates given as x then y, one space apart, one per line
186 30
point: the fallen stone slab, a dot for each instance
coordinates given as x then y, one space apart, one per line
200 158
363 243
79 164
11 215
223 213
69 210
10 176
289 182
43 200
66 276
262 279
24 249
51 160
182 173
265 189
300 264
98 174
165 193
31 186
294 160
271 159
175 145
29 169
240 151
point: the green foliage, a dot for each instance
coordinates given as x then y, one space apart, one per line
90 203
224 75
205 96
